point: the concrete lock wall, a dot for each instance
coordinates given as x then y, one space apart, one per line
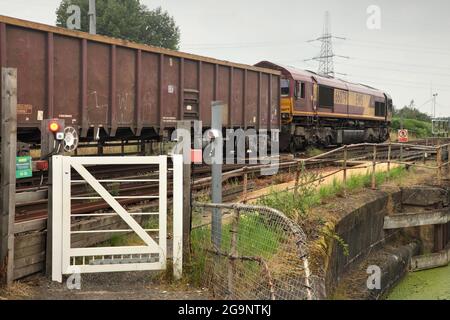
361 229
364 230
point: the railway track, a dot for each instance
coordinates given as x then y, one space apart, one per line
37 209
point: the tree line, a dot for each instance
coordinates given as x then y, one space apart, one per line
126 19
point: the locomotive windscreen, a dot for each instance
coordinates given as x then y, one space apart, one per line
284 85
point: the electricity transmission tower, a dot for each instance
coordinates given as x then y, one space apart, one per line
326 57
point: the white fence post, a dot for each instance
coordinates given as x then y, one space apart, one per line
177 216
57 211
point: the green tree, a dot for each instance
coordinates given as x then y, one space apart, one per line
126 19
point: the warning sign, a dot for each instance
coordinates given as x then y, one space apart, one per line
403 135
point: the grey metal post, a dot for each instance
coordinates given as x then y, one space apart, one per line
8 173
216 183
92 17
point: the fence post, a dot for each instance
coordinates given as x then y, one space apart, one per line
216 171
345 168
448 159
245 188
8 173
178 217
233 252
297 177
424 156
439 165
374 164
389 157
183 128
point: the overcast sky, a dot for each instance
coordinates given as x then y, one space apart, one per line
409 57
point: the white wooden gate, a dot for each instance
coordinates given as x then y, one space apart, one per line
151 256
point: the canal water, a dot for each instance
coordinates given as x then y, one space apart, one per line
431 284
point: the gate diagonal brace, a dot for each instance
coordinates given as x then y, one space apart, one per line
115 205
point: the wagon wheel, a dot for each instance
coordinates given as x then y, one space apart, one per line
71 139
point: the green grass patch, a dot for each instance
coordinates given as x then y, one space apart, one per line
255 238
313 152
297 205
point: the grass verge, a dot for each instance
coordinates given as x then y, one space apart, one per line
297 205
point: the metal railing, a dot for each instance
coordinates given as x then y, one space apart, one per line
263 255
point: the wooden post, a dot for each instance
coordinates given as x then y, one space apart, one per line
448 159
245 190
389 157
345 166
401 153
297 177
439 165
374 165
185 126
233 252
8 173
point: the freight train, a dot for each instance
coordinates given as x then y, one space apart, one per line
112 89
327 111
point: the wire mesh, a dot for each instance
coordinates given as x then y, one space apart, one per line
262 255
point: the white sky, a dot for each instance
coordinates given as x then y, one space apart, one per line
408 57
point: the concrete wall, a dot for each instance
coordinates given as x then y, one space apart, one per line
362 230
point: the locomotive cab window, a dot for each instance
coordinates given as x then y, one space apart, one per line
326 97
300 90
380 109
284 85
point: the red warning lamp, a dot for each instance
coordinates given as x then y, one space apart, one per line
53 126
56 127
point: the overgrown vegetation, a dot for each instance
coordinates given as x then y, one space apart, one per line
421 129
313 152
298 203
309 194
411 113
254 238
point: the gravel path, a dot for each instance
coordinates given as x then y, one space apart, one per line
107 286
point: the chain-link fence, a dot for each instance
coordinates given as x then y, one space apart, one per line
262 254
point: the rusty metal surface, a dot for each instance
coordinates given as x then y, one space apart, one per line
98 82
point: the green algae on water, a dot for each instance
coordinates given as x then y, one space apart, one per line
433 284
